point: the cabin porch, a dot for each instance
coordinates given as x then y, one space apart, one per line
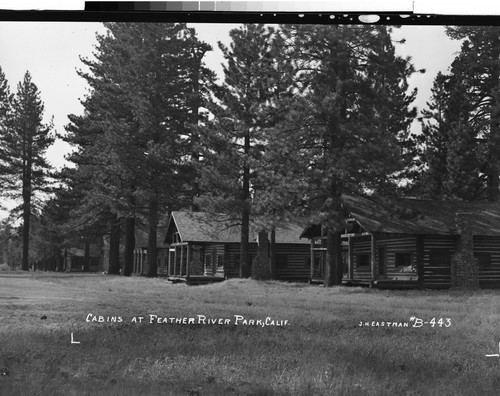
373 260
186 263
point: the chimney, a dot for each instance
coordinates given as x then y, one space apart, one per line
464 266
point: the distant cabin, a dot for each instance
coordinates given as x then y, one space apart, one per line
74 258
141 266
202 244
414 243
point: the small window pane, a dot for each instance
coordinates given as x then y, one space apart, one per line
403 259
363 260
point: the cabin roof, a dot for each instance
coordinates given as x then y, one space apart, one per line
205 227
416 216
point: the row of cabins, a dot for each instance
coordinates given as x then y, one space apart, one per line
415 243
399 243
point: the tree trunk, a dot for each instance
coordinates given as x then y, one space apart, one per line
129 246
245 265
333 267
26 226
261 264
272 248
59 262
153 224
195 138
493 185
114 247
86 259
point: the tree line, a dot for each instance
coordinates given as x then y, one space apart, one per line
304 114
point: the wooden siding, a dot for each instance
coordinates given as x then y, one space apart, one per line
214 260
392 247
296 262
361 246
437 261
436 256
489 273
232 266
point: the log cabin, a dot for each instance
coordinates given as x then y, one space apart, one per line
74 258
206 247
413 243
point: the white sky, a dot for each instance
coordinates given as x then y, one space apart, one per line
51 51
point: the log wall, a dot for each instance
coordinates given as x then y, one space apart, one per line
487 251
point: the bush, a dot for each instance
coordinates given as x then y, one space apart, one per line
4 267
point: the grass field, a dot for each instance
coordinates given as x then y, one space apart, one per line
321 349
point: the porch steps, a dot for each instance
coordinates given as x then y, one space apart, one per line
396 284
350 282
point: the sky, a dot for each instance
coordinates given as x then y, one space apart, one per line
51 52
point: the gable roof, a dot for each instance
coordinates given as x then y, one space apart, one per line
416 216
205 227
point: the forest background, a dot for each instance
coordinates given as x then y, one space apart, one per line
302 115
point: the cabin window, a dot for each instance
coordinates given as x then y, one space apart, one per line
281 261
363 260
403 259
483 259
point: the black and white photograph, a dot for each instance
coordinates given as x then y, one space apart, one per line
248 207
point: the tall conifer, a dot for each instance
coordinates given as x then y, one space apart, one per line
25 141
343 130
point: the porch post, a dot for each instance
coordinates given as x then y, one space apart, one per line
136 261
187 260
169 253
182 259
312 261
175 260
373 256
143 259
350 256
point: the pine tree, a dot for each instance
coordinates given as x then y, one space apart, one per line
235 140
91 188
5 117
459 145
25 142
448 152
143 107
478 67
343 130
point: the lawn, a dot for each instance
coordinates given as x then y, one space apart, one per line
72 334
